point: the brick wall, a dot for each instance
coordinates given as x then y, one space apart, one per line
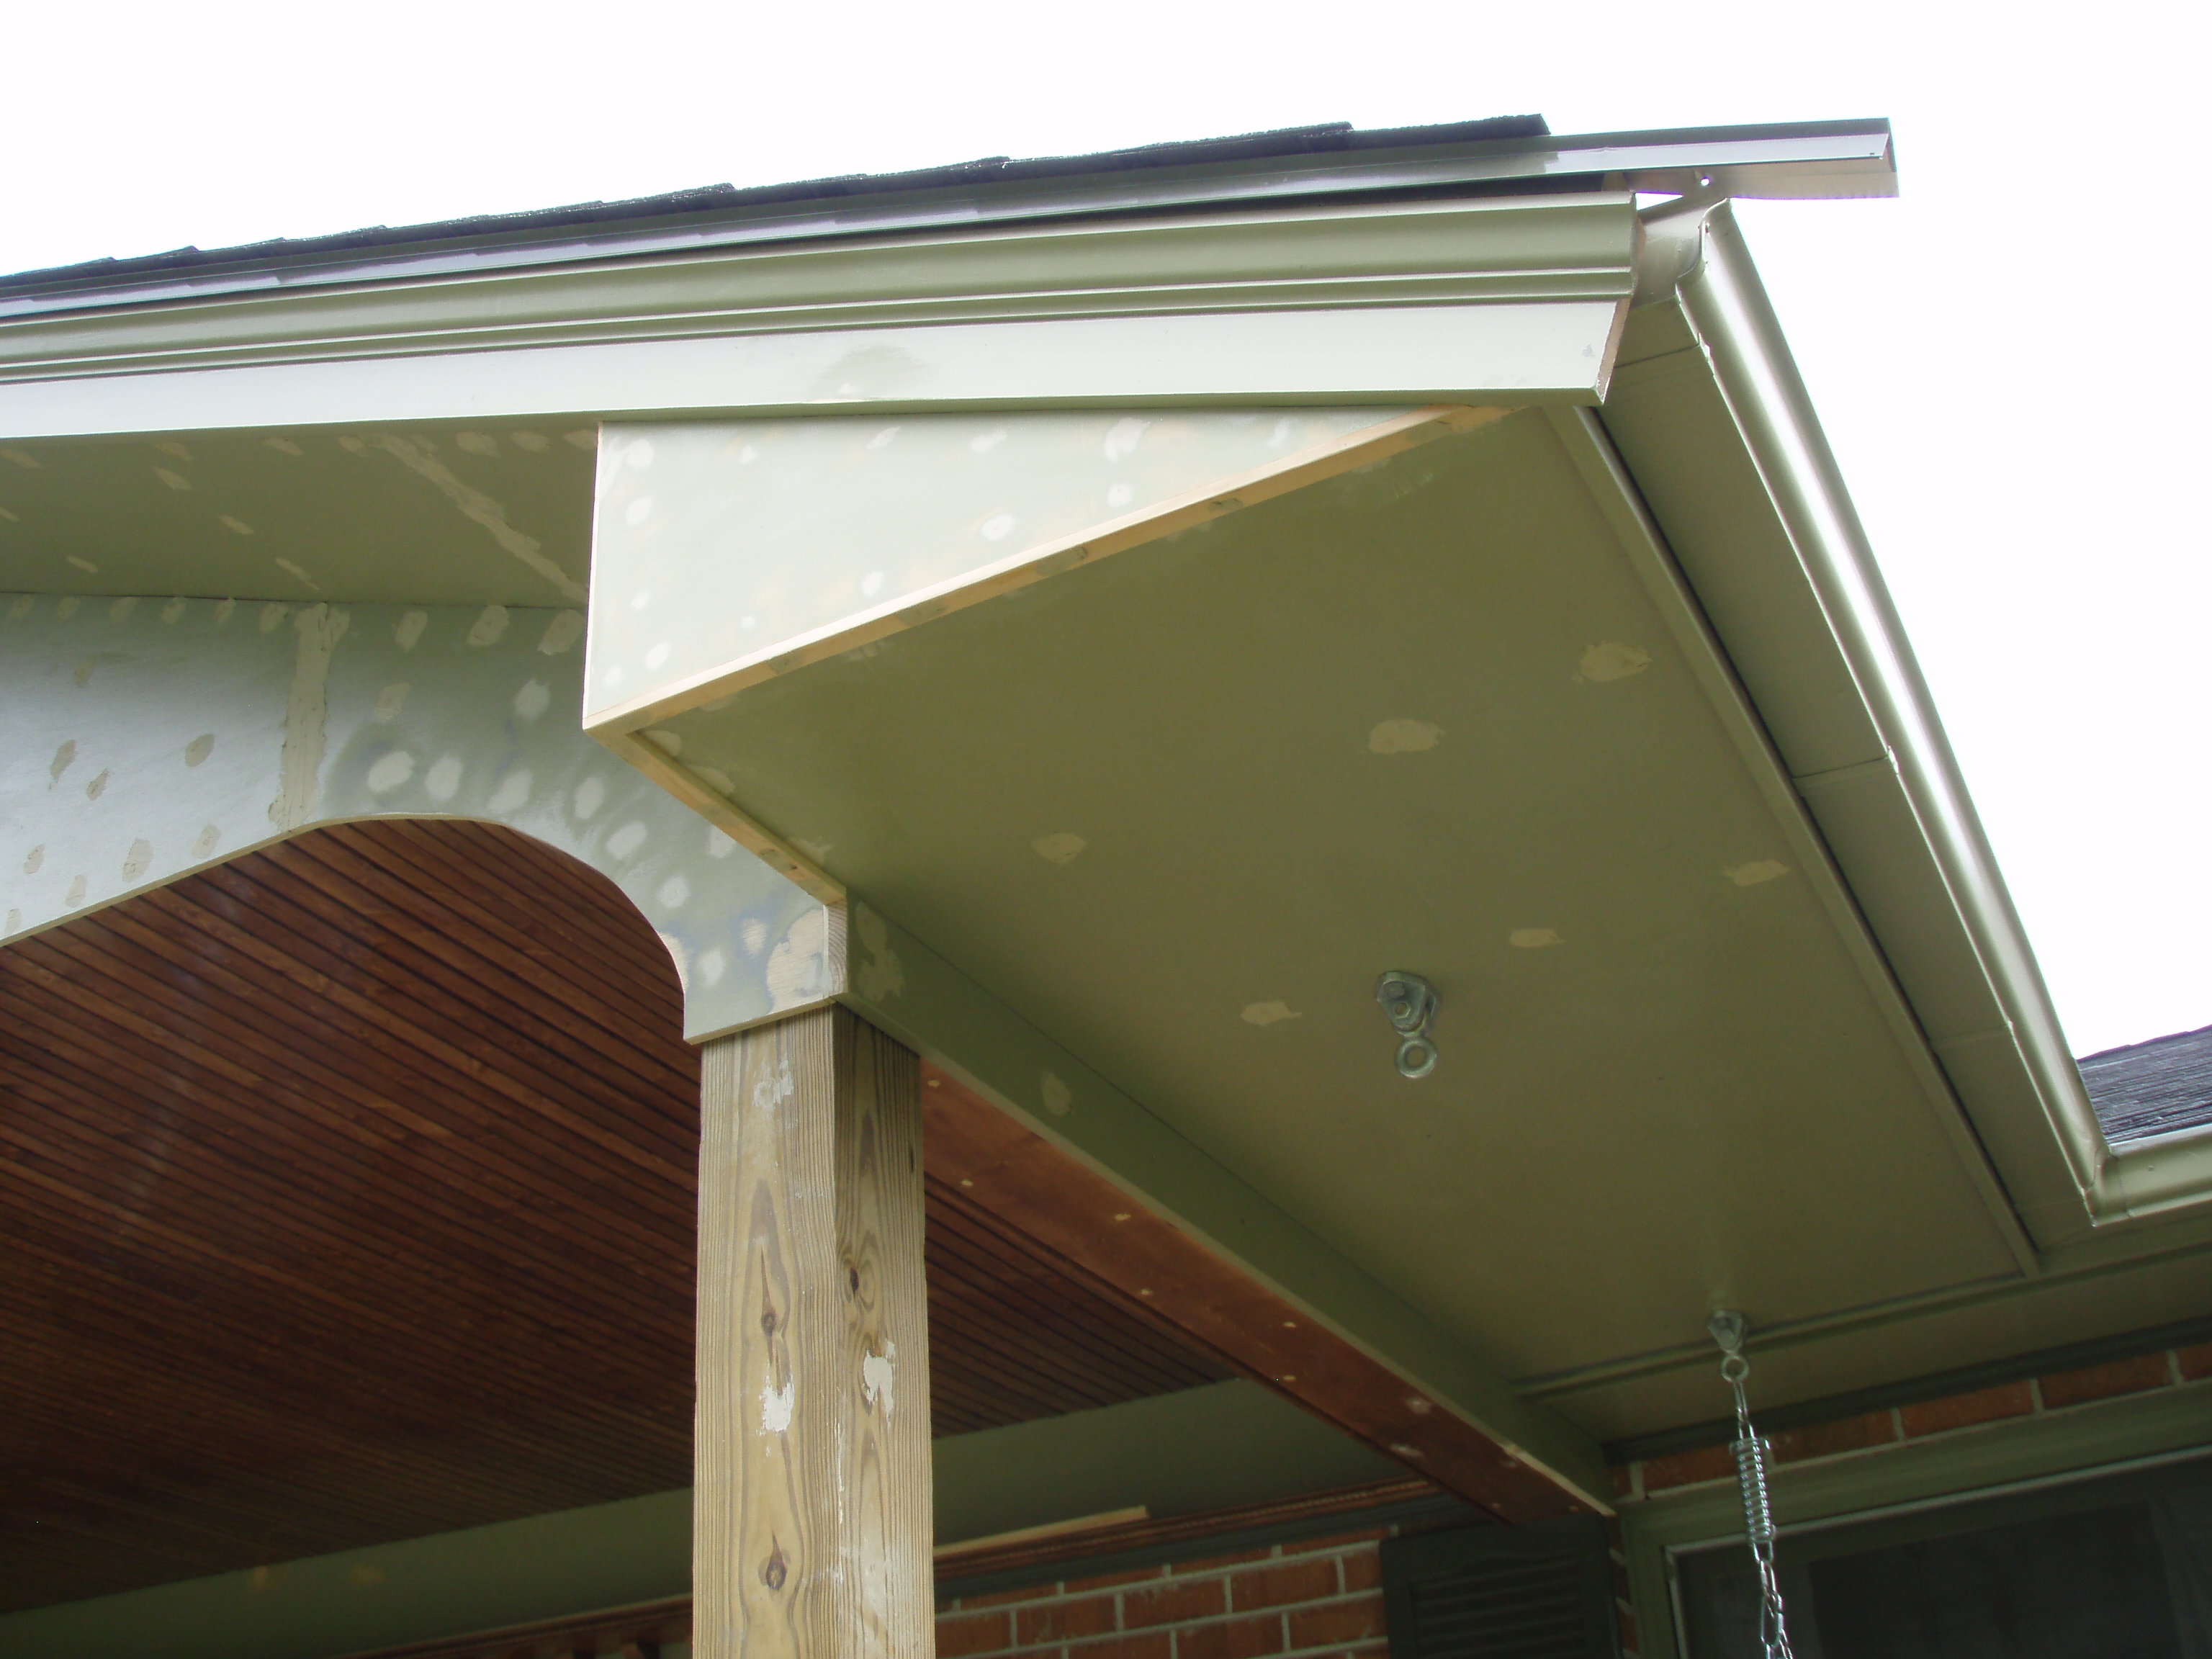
1873 1432
1321 1600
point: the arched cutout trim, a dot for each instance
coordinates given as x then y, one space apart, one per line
147 737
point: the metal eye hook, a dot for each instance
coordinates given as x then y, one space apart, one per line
1409 1003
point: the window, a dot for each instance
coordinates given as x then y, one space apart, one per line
2119 1567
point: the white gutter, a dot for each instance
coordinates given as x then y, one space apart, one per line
1695 246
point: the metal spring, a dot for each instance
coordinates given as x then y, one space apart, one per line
1751 1477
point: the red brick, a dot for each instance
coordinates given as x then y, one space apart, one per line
2195 1362
974 1632
1177 1602
1108 1580
1152 1644
1964 1411
1686 1468
1340 1540
1624 1480
1231 1638
1216 1562
1362 1570
1356 1620
1062 1620
1628 1642
1273 1587
2106 1382
1848 1434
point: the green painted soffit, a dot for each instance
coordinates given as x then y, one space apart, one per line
1178 809
422 515
1204 1448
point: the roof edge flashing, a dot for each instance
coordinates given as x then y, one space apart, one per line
1694 252
1813 159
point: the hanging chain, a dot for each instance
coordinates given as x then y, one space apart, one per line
1728 1330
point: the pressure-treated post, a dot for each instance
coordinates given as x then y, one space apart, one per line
812 1508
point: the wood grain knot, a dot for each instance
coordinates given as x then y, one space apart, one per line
773 1570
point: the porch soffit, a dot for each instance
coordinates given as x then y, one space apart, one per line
348 1198
1180 807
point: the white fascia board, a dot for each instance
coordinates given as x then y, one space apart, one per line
1898 816
1517 352
1514 300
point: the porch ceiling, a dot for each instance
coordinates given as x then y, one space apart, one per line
422 515
1180 807
346 1195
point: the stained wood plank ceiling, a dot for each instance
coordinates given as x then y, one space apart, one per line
346 1195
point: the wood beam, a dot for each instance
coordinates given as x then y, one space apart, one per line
811 1503
1073 1210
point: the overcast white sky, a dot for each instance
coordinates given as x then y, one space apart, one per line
2010 359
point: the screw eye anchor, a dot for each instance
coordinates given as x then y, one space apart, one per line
1409 1003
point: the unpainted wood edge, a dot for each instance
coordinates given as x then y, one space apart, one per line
1048 1531
1438 1411
1220 496
756 837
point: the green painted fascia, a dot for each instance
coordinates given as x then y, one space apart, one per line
1218 1447
1714 425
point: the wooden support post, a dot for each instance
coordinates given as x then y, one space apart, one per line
812 1508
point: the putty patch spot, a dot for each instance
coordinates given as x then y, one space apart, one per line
1759 870
1613 660
1058 848
1403 737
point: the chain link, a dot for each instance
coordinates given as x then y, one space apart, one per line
1750 1453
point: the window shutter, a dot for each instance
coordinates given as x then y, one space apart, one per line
1535 1592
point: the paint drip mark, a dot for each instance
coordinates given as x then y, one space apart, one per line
777 1406
877 1374
774 1087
